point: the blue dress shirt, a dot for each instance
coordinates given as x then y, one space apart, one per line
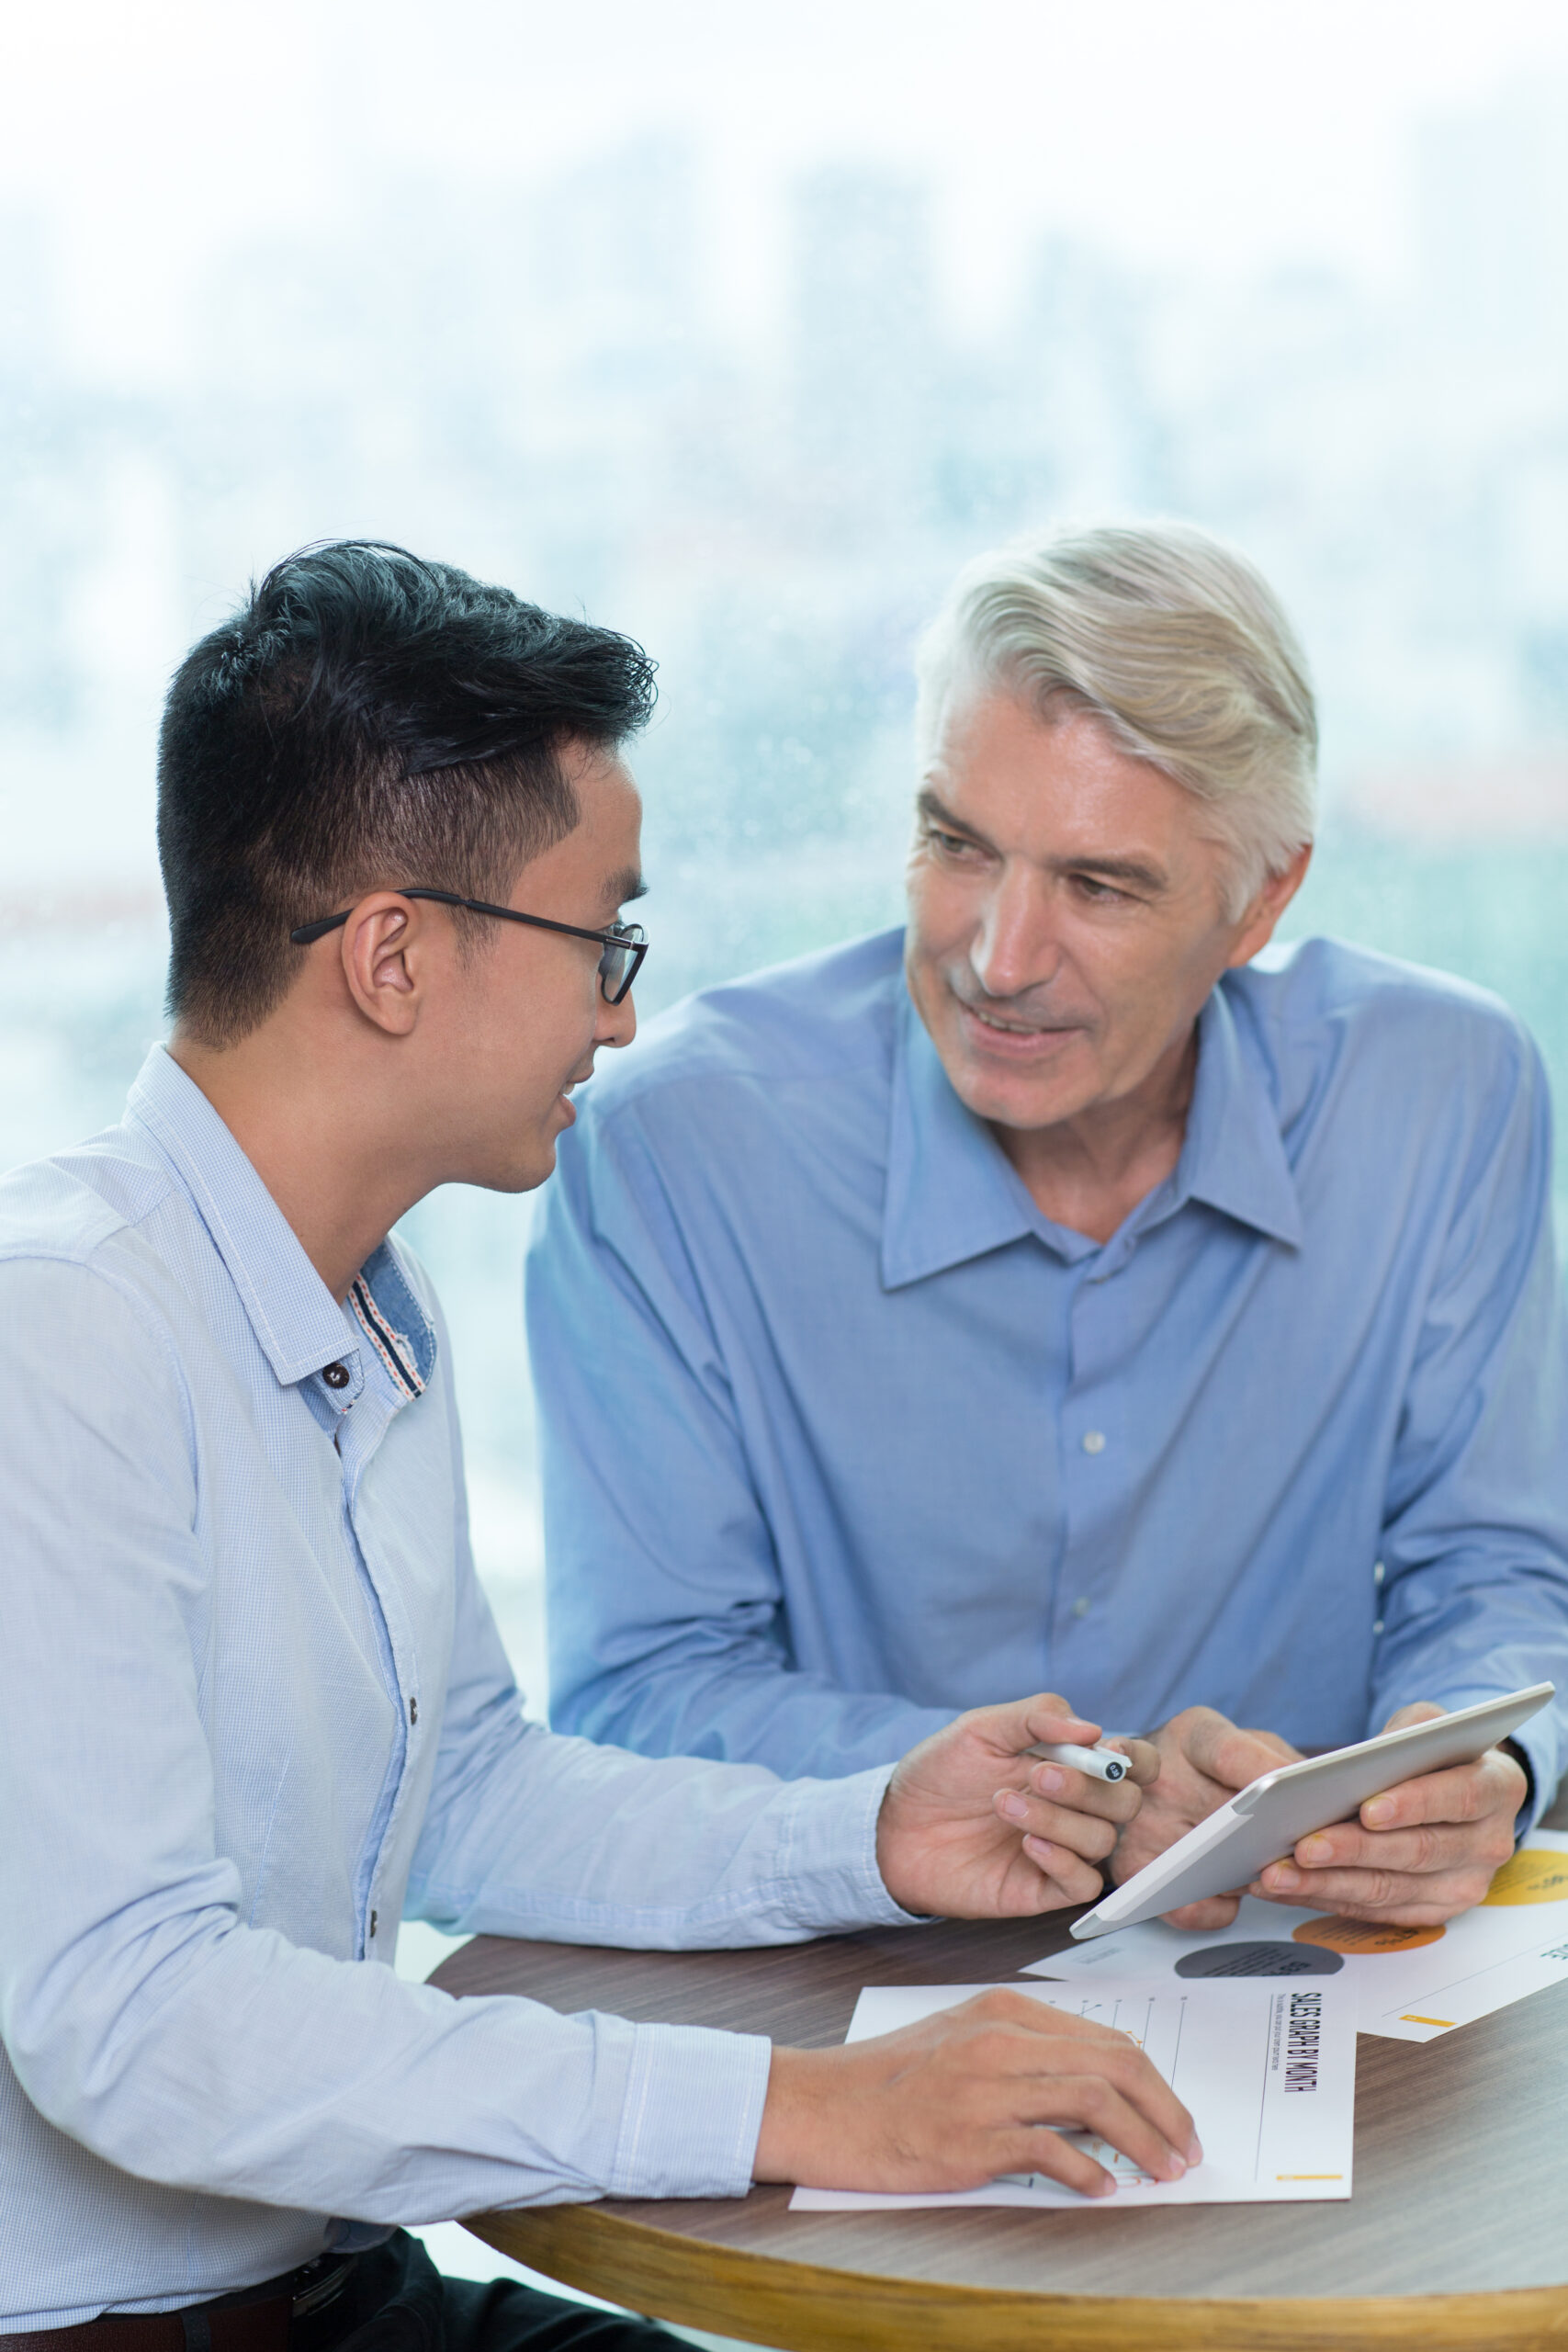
252 1708
840 1434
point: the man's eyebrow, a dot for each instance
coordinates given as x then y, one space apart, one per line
931 805
1135 871
1115 869
623 888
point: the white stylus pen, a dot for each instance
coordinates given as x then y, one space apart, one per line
1102 1763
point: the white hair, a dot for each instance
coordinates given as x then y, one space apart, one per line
1177 645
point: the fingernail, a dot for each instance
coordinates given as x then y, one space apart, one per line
1282 1878
1315 1850
1377 1811
1195 2152
1051 1781
1175 2168
1012 1807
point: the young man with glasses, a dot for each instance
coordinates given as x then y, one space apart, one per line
252 1707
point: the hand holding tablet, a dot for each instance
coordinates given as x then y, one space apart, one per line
1266 1819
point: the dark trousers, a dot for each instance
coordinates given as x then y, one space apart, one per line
400 2302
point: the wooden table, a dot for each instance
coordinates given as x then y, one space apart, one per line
1455 2237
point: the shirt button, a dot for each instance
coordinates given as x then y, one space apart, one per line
1094 1440
336 1375
1080 1607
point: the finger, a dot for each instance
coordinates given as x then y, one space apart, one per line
1087 1832
1441 1847
1093 2102
1010 1729
1002 2005
1048 1719
1215 1747
1033 2148
1079 1881
1215 1911
1143 1757
1403 1900
1462 1792
1426 1912
1420 1711
1114 2057
1069 1785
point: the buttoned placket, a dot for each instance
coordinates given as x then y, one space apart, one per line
1089 1422
362 1409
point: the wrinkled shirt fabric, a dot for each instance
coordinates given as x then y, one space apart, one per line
254 1709
840 1434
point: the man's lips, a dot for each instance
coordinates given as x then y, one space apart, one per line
995 1033
578 1077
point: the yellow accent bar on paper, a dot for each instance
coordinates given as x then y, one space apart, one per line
1309 2175
1409 2018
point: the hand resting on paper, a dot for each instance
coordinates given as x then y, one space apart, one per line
974 1827
970 2093
1417 1856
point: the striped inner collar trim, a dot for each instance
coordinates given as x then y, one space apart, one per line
392 1347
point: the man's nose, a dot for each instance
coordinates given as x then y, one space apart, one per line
1015 946
616 1025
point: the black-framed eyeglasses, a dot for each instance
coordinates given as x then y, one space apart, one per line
625 944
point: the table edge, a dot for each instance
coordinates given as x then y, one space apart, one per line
775 2300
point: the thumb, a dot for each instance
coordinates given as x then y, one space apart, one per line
1420 1711
1023 1723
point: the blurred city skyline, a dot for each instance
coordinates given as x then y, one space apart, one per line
532 380
743 339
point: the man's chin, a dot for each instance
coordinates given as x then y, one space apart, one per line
1012 1098
522 1172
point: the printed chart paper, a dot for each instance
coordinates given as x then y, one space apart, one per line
1268 2073
1410 1984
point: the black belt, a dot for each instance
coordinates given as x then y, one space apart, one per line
258 2319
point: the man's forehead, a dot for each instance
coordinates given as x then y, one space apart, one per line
997 766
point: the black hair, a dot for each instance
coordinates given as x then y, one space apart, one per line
364 719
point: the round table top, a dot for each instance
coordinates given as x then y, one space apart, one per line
1456 2232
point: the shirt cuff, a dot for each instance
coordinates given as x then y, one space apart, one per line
692 2112
828 1854
1541 1760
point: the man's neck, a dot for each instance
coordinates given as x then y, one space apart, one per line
1089 1173
339 1183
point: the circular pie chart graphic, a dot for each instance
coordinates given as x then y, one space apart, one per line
1530 1878
1362 1936
1260 1960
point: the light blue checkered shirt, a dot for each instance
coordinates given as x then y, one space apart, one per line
252 1710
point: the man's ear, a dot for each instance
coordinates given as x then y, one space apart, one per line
1278 891
384 950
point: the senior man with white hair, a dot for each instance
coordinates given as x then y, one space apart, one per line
1058 1291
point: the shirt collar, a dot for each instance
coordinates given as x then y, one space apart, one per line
299 1324
953 1194
1234 1155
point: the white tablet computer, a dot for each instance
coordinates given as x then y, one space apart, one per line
1264 1820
